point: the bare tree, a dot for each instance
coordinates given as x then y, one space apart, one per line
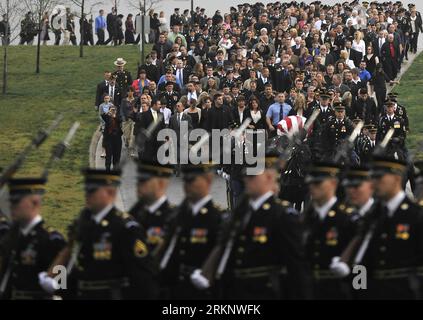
10 11
39 7
144 5
81 5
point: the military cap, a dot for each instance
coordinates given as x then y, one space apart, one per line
356 175
21 187
233 9
356 120
382 165
202 10
176 9
153 169
365 2
191 171
411 5
169 83
323 93
371 127
389 101
271 160
320 171
96 178
338 106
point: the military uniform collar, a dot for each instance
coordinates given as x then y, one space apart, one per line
323 210
394 203
28 228
196 207
157 204
100 216
364 209
256 204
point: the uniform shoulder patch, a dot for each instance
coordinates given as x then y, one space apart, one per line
140 249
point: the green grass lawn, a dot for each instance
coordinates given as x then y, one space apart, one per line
67 84
410 92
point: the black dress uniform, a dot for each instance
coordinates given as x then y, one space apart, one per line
112 259
154 221
123 81
169 98
334 132
400 110
398 139
27 251
394 258
327 238
267 260
192 237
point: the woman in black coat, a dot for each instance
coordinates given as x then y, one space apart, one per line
112 138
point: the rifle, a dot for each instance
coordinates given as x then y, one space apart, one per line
59 149
36 142
358 245
215 265
349 143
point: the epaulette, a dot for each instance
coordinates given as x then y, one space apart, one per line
347 210
128 220
284 203
53 233
218 207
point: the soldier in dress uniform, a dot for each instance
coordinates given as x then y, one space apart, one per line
30 246
391 120
336 130
394 257
260 242
399 110
359 190
153 209
192 234
170 97
123 77
365 143
112 259
175 18
329 229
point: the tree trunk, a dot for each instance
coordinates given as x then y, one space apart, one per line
37 69
81 45
4 89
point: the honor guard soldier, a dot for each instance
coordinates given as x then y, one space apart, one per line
329 229
123 77
170 97
359 190
152 211
336 130
260 243
394 256
366 143
29 247
399 110
193 233
112 259
391 120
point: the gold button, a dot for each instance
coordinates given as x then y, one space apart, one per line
238 262
242 238
317 242
317 266
181 252
384 235
316 254
382 262
382 249
183 239
241 250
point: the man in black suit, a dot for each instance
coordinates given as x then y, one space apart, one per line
390 55
162 47
328 57
102 88
239 112
149 146
175 123
379 42
219 116
111 25
114 93
354 55
264 78
152 71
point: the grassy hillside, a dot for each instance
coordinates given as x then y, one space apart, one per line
67 84
410 92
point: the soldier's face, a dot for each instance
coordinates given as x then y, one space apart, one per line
198 187
323 191
359 195
147 190
100 198
387 185
22 210
256 186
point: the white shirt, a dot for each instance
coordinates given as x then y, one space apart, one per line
256 116
256 204
323 210
166 114
153 208
36 220
360 47
100 216
196 207
395 202
363 210
154 113
192 95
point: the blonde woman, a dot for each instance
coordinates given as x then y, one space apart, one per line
358 43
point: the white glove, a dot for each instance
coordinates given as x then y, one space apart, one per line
339 268
199 281
48 284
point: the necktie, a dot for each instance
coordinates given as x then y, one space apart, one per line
179 119
154 115
281 113
180 76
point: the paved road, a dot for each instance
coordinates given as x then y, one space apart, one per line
127 195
